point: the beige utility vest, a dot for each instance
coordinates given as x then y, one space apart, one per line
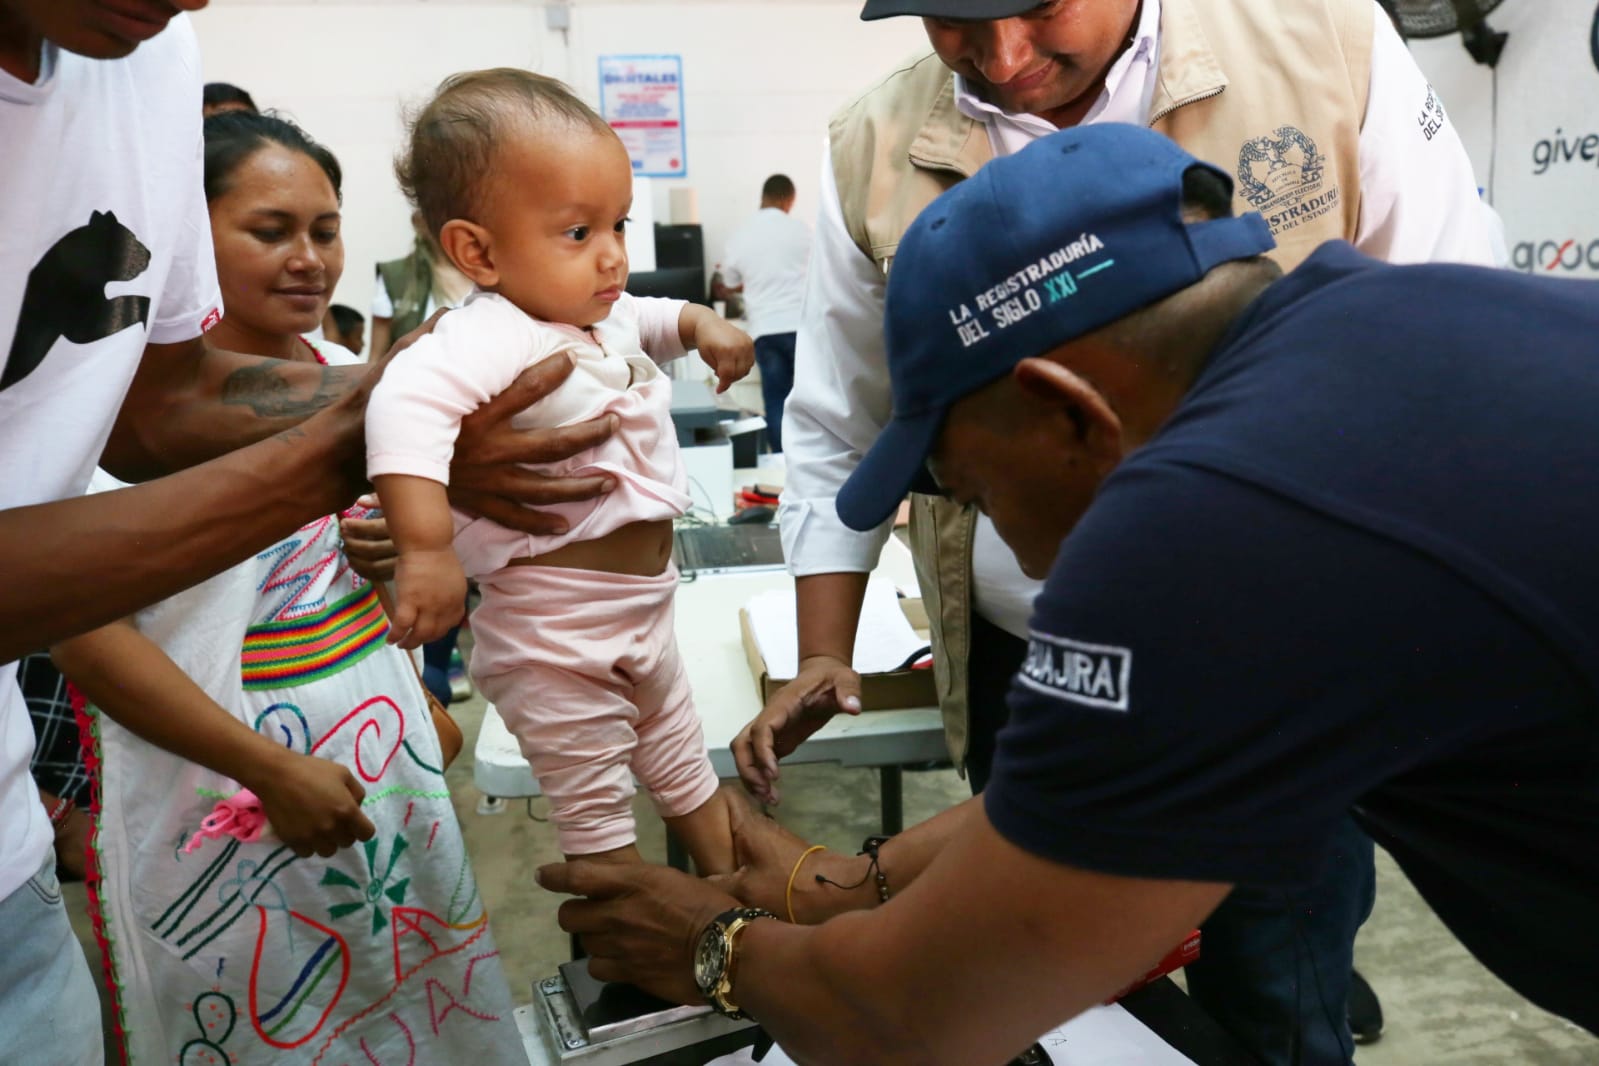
1272 92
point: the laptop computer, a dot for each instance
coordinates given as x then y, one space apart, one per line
720 549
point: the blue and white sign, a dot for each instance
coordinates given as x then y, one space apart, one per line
641 97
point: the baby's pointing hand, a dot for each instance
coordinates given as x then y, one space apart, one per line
726 348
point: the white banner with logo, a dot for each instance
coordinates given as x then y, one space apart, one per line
1537 147
1546 166
641 97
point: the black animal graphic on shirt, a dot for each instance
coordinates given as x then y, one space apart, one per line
66 296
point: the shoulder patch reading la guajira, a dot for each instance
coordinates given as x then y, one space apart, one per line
1096 675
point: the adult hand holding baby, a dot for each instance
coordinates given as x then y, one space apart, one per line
638 922
367 544
487 477
777 871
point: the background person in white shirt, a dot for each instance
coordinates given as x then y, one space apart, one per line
766 262
1019 70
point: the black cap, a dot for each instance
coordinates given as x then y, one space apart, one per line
974 10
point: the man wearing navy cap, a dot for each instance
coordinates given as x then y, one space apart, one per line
1323 118
1327 553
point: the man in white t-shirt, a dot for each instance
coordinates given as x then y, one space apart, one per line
106 252
766 261
107 281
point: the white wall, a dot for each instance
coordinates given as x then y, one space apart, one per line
762 76
760 79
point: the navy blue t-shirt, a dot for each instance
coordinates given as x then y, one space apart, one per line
1357 569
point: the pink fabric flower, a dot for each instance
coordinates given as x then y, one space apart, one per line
238 816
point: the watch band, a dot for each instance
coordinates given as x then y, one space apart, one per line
718 987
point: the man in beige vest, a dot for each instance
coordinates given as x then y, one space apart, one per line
1330 131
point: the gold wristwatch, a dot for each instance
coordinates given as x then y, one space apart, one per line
713 957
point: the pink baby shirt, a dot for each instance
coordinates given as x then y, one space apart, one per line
476 352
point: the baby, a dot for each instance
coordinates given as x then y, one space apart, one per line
527 191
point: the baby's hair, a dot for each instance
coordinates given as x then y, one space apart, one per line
444 169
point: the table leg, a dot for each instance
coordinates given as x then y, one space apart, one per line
893 798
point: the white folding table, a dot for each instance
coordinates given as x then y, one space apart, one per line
727 698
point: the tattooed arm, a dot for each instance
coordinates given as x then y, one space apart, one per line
189 403
77 564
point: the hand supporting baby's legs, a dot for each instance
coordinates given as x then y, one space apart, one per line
624 855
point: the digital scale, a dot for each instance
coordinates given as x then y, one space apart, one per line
575 1020
584 1022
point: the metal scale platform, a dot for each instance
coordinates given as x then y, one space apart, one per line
584 1022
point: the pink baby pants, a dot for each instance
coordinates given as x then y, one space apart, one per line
583 666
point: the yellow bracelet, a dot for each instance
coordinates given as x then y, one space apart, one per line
788 896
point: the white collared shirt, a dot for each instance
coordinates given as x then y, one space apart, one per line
1419 202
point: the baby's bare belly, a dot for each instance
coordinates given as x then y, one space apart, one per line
641 548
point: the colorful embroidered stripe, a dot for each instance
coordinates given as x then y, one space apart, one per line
285 654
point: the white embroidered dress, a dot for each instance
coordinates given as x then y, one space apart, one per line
244 953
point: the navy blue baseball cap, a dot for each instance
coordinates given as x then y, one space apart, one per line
965 10
1075 231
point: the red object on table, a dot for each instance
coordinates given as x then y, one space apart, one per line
1176 959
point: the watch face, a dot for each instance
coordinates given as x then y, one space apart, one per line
710 958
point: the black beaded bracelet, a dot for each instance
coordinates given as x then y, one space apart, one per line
869 847
874 870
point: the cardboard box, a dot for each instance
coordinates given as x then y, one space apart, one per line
879 692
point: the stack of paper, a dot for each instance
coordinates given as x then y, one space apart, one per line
884 642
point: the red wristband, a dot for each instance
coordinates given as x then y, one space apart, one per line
60 811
